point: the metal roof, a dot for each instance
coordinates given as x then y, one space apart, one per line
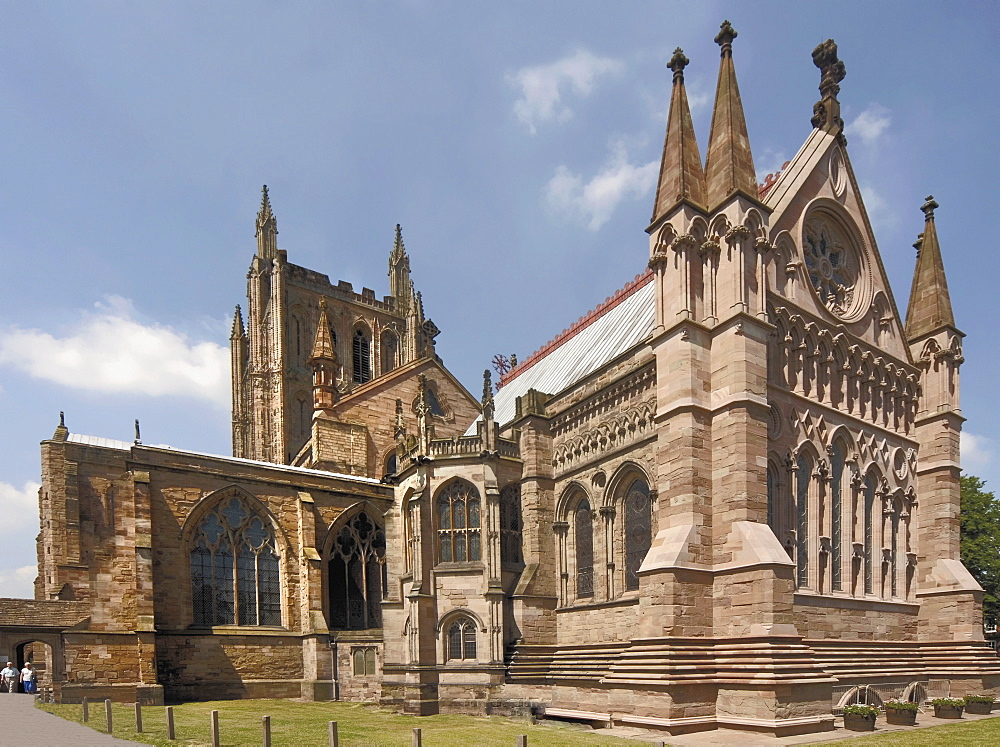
601 336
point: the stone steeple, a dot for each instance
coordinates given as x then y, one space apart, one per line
929 309
323 360
267 228
729 166
681 175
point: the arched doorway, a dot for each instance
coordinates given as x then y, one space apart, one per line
39 654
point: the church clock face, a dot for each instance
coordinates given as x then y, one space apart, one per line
833 266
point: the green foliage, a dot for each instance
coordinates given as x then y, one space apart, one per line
978 699
900 705
980 540
865 711
948 702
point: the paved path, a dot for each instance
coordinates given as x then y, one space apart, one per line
22 723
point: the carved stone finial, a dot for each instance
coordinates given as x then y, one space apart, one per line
400 427
487 395
725 38
138 438
928 207
826 112
61 432
677 63
322 306
918 242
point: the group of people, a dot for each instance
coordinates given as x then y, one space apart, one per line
9 677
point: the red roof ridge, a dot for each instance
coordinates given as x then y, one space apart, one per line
579 325
769 180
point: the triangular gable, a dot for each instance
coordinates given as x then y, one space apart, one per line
819 183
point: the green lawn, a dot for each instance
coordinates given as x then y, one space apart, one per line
982 732
305 725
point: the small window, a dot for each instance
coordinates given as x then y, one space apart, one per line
362 357
462 640
510 525
390 346
363 660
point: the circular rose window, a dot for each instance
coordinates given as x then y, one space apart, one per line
833 265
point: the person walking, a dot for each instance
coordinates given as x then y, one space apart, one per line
10 677
28 678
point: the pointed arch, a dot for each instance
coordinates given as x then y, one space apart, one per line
361 353
457 507
354 552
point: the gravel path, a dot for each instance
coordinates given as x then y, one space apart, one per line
22 723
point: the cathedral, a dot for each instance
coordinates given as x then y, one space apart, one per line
726 497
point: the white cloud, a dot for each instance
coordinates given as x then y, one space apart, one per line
870 124
18 583
20 507
593 202
109 351
544 86
978 452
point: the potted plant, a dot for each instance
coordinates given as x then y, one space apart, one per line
948 707
860 717
978 703
900 712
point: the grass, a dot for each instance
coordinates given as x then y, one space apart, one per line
305 725
981 732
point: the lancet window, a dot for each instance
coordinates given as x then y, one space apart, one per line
868 529
802 477
584 536
459 523
234 568
638 530
389 345
838 483
462 639
357 574
362 357
510 525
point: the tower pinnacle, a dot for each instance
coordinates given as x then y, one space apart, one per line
267 228
930 304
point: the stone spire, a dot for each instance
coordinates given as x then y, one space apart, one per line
826 111
323 360
238 331
267 228
729 167
681 175
400 284
930 305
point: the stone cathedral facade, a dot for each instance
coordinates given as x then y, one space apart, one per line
724 497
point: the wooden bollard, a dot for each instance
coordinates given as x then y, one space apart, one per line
265 724
416 738
138 717
107 713
215 729
170 723
86 710
334 739
522 740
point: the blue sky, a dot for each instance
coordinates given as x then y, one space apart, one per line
517 143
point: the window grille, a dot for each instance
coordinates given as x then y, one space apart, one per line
362 357
584 550
458 523
638 531
234 569
462 640
510 525
357 575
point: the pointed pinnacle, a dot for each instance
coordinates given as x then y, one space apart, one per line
928 207
725 37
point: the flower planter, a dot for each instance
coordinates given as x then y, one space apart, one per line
854 722
978 707
948 711
900 718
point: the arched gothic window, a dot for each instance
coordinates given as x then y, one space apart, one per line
234 568
838 481
433 403
638 530
458 523
357 575
389 346
803 474
462 639
584 521
362 357
510 525
869 534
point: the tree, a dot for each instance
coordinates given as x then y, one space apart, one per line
981 542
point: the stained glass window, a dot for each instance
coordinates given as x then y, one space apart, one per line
869 531
638 531
357 575
510 524
234 569
458 523
584 550
362 358
836 508
462 640
802 529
